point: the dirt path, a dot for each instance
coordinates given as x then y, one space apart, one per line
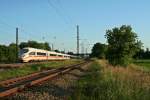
58 89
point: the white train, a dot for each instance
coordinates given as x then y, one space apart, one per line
31 54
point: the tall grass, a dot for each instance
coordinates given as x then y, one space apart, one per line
103 82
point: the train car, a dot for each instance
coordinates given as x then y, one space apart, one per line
32 54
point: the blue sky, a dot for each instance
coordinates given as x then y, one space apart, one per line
43 20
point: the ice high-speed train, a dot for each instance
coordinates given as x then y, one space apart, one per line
31 54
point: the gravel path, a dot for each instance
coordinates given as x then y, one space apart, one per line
58 89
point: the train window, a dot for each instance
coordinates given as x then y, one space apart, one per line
60 55
24 51
32 53
41 54
52 55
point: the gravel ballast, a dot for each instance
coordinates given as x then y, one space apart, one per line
59 88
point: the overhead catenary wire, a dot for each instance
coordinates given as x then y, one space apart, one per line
6 32
59 12
6 24
67 15
23 34
21 30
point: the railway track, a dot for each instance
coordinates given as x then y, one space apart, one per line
14 85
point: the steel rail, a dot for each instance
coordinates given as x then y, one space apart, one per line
14 85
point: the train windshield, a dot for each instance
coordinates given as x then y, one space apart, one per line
24 51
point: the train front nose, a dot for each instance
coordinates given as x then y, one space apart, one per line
21 58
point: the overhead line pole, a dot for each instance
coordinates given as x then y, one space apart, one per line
17 44
52 47
77 40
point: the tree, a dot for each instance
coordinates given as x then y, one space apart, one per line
8 53
122 45
12 53
70 53
47 47
140 54
57 51
99 50
23 45
3 53
147 54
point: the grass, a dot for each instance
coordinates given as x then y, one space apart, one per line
28 69
143 64
104 82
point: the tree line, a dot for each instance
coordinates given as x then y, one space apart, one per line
143 54
35 44
99 50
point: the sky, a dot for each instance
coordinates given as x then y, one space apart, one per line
54 21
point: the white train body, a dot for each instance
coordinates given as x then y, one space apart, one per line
31 54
